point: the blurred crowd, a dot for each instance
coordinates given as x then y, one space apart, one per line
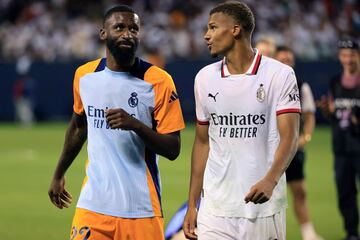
64 29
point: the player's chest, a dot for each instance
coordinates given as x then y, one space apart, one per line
117 94
236 95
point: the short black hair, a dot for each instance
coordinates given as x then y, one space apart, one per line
283 48
239 11
115 9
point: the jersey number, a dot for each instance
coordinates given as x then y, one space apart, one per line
83 231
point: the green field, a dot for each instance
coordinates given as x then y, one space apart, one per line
28 157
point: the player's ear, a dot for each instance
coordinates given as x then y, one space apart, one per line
102 34
237 31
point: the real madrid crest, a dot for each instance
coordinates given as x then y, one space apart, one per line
260 93
133 100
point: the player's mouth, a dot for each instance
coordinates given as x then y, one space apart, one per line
126 45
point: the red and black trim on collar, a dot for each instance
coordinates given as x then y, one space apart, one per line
256 65
289 110
222 70
251 71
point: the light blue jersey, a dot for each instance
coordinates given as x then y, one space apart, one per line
122 177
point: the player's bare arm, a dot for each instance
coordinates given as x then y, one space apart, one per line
288 126
75 138
167 145
199 157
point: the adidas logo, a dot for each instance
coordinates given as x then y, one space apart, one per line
173 97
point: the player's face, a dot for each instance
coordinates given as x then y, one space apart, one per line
220 34
121 34
350 59
286 57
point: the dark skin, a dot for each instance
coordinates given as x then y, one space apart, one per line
122 28
75 138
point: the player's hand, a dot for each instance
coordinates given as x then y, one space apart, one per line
260 192
119 119
58 195
189 224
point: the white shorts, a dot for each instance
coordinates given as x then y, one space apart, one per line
268 228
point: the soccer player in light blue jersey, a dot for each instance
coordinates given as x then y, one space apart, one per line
128 111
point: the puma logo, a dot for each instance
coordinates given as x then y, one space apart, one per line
213 96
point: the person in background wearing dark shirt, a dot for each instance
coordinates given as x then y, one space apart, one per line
342 108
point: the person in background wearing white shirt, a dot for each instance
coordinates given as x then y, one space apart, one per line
295 172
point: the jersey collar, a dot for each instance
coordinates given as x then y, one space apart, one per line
251 71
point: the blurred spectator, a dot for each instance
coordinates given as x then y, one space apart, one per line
155 58
342 107
23 93
295 174
266 46
55 30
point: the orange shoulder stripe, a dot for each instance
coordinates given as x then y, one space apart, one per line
80 72
167 110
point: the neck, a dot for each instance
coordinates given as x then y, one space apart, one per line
113 65
239 58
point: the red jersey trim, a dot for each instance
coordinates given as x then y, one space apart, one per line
289 110
222 70
252 72
202 122
257 64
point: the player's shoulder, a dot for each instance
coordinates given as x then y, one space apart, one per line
91 65
212 69
157 75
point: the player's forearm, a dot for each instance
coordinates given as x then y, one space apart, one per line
74 140
283 157
289 133
167 145
198 163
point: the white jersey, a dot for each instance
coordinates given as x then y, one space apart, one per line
307 99
241 111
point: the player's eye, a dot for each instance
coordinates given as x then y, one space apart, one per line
134 30
119 27
212 27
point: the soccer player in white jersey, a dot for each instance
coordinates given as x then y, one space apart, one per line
129 111
295 176
247 109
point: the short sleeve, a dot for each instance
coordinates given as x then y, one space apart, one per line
307 99
78 105
289 97
167 112
80 72
202 117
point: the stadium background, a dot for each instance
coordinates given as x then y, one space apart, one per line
48 40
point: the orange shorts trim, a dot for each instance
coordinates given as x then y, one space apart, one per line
88 225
